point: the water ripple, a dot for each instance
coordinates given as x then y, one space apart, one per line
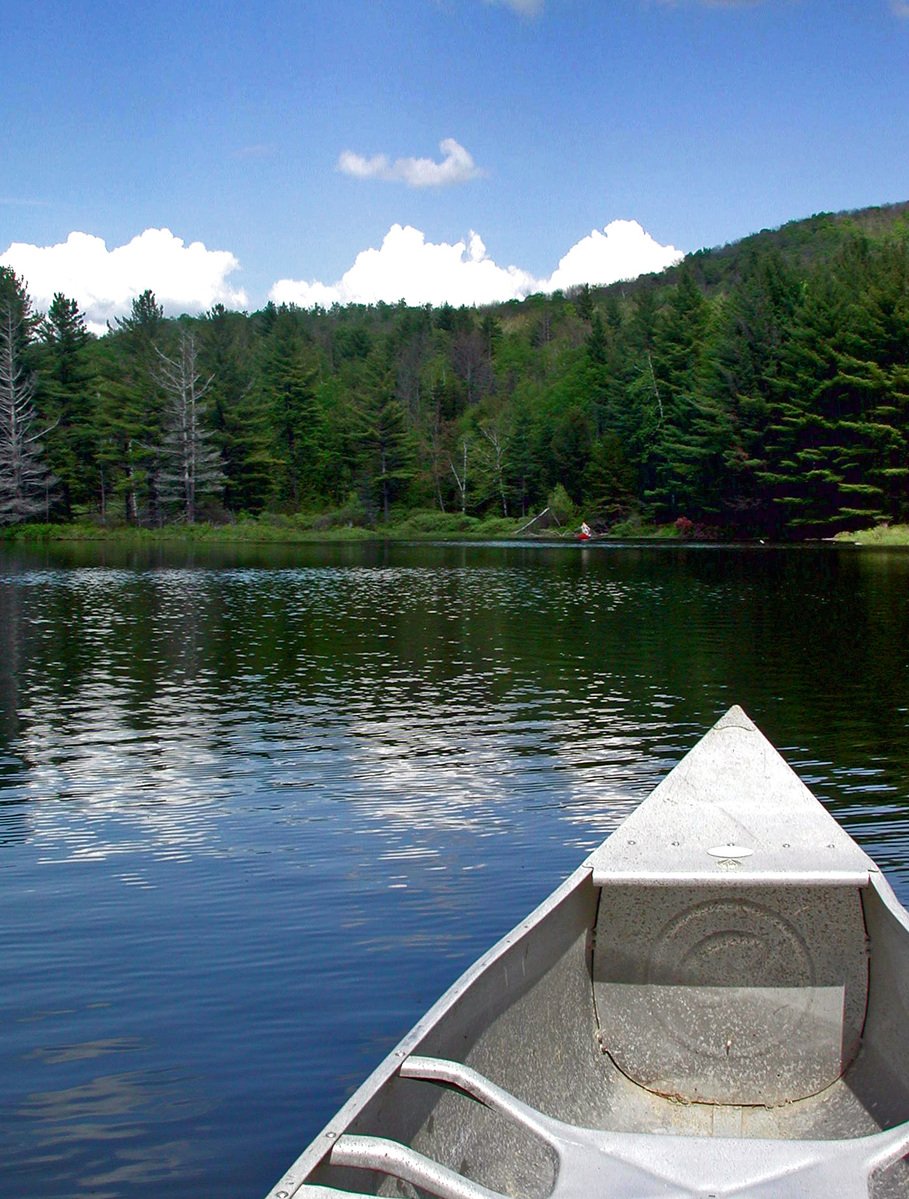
254 819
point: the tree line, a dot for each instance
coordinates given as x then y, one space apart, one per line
749 394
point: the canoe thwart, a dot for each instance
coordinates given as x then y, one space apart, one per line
310 1190
618 1165
400 1161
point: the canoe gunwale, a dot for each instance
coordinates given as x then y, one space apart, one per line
320 1148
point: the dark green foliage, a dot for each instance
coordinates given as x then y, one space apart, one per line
386 458
761 389
287 393
837 453
68 401
608 482
130 414
239 423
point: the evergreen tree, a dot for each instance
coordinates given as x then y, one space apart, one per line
752 329
833 427
67 393
877 362
570 446
763 387
522 465
583 302
287 387
131 409
239 423
385 445
608 482
675 367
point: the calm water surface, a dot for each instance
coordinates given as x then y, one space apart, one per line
258 808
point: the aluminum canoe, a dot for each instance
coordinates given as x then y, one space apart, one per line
715 1004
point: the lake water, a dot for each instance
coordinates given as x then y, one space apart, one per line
258 808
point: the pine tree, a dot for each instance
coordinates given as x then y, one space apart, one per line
386 446
838 417
570 445
668 380
287 388
608 481
131 409
67 390
239 423
751 333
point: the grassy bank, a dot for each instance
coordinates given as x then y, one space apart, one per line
272 529
342 525
323 527
425 525
879 535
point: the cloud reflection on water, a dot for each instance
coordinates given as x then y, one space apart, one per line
401 709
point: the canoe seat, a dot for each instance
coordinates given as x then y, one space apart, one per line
593 1163
739 995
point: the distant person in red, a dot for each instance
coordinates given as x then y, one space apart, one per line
585 530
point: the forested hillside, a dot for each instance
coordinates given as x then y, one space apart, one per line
761 389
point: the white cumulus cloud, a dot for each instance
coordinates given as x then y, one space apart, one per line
407 266
457 166
184 278
622 251
192 278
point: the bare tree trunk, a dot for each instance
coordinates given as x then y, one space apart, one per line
493 437
461 479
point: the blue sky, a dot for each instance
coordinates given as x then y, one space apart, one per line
227 125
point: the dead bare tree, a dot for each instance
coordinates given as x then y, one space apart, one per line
191 464
494 437
26 483
460 477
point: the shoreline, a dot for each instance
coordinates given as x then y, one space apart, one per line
455 528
